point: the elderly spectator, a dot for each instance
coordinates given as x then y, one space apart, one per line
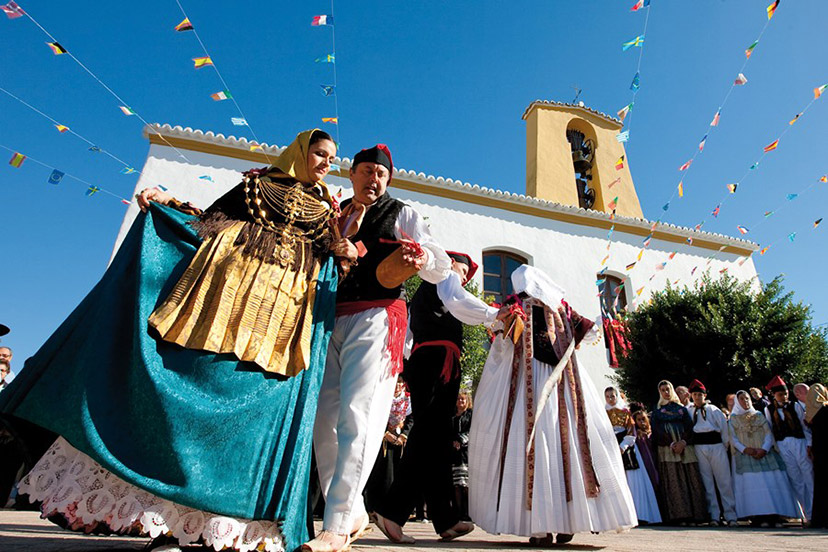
683 395
800 391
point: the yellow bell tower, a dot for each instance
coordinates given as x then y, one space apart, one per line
571 157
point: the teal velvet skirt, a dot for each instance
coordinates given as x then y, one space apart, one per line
203 430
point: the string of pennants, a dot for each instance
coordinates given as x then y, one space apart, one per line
57 176
329 90
626 118
740 80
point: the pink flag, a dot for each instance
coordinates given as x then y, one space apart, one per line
715 121
685 166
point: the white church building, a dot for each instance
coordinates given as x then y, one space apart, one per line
575 178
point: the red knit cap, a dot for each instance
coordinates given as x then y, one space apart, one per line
697 386
776 384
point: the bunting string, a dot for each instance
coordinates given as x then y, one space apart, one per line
327 20
124 106
225 93
57 175
63 128
636 82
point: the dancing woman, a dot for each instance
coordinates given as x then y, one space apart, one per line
182 390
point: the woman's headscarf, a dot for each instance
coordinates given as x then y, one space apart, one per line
620 403
816 398
294 160
673 397
537 284
738 409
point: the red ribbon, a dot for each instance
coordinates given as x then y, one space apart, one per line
452 356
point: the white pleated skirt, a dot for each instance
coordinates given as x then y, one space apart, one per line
764 493
611 510
643 495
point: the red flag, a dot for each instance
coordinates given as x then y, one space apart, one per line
685 166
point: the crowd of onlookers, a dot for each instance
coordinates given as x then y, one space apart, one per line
752 459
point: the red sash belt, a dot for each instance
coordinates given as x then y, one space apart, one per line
452 356
397 324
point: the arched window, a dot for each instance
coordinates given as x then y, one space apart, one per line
613 298
497 273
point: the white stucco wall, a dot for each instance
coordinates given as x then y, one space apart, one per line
570 253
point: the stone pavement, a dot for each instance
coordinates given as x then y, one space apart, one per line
26 532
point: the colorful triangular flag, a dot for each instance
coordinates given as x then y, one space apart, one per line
206 177
623 137
772 146
619 164
742 230
328 58
768 213
715 212
819 90
612 205
823 178
740 80
791 197
764 250
715 121
92 190
636 42
772 8
62 128
701 144
126 110
327 90
12 10
630 266
681 189
57 49
184 26
665 206
636 82
622 113
816 222
55 177
750 48
221 96
732 188
686 166
127 170
320 20
17 160
638 5
238 121
332 120
792 236
200 62
94 149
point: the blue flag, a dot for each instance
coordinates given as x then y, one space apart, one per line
55 177
636 82
327 89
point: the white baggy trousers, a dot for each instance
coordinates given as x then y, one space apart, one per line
715 472
351 418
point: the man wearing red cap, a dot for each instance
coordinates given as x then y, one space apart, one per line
711 437
366 348
432 373
793 439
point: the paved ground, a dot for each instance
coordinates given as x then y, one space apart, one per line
25 531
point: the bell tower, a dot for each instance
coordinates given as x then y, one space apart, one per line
572 155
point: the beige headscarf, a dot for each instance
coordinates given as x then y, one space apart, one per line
673 397
294 160
817 398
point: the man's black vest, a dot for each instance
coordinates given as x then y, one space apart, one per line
430 320
790 426
361 282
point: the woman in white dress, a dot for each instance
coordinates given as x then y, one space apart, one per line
644 498
543 457
763 492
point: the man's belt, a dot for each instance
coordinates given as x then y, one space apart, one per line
707 438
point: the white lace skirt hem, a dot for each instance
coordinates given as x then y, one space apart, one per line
90 498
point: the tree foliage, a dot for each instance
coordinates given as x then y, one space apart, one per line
726 335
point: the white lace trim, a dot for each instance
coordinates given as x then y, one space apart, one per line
73 485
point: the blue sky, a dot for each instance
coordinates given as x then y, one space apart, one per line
443 83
